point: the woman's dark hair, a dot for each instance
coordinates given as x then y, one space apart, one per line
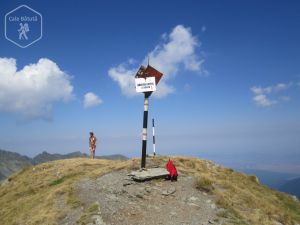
91 133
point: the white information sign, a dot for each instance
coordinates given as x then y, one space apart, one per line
145 85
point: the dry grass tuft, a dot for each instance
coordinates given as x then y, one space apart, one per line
204 183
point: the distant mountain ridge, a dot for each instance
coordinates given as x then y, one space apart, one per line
46 157
272 179
292 187
11 162
289 183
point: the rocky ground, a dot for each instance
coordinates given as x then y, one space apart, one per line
114 199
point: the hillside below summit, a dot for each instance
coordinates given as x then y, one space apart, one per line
84 191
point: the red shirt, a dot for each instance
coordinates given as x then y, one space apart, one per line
171 168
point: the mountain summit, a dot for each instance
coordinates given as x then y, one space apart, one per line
84 191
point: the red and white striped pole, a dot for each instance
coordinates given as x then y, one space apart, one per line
153 132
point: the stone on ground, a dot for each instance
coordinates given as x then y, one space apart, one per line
149 174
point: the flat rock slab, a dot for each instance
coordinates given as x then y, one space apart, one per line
148 174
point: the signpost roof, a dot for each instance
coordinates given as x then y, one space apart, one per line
149 71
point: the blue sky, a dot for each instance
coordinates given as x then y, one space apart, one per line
230 90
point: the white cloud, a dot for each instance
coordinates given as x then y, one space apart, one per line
275 88
177 50
263 101
91 100
31 92
282 86
125 78
262 94
163 90
260 90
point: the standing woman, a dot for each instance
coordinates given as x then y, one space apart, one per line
92 142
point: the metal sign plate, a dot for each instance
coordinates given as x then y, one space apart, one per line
147 84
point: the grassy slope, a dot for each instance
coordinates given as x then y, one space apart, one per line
31 196
247 201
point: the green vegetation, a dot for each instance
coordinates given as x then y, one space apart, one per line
62 179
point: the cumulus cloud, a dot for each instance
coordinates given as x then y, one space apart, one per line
260 90
32 91
262 95
177 50
124 77
163 90
263 101
91 100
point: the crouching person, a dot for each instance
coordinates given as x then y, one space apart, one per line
172 171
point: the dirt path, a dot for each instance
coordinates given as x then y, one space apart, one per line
113 199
